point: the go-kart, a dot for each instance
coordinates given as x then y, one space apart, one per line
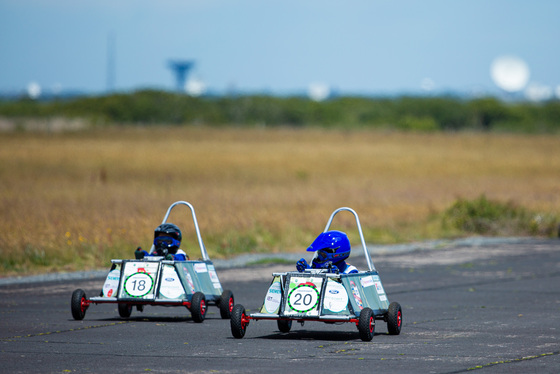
153 280
323 296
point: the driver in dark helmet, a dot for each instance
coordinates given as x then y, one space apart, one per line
167 239
331 249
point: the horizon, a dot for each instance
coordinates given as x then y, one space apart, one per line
364 48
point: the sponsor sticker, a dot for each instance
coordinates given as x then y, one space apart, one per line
190 281
356 294
111 283
171 286
200 267
336 297
378 285
212 274
367 281
273 298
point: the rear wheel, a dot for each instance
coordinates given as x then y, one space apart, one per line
226 304
366 324
125 310
198 307
78 304
394 318
284 325
238 321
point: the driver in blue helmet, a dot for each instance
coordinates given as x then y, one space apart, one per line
331 249
167 239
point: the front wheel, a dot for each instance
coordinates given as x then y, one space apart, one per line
198 307
125 310
284 325
366 324
238 321
226 304
79 304
394 318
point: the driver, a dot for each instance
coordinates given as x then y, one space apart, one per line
167 239
331 249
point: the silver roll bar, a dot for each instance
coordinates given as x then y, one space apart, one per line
203 251
366 252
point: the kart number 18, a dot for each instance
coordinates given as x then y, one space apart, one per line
138 284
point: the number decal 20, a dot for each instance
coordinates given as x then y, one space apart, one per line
303 298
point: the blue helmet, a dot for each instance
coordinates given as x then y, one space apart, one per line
330 246
167 236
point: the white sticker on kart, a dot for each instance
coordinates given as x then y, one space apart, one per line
273 298
171 286
382 298
189 280
356 294
200 267
112 283
367 281
304 297
138 284
336 297
378 285
213 276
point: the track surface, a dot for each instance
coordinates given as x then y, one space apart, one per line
493 308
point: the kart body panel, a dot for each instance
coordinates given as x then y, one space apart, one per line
323 296
156 281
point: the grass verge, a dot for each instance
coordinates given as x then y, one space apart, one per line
74 200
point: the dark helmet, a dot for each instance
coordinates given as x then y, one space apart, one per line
167 236
330 246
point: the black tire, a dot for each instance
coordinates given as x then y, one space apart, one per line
198 307
125 310
366 324
78 304
284 325
394 318
237 323
226 304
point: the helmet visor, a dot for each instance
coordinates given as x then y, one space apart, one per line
166 242
323 255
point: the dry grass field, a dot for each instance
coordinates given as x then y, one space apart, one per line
73 200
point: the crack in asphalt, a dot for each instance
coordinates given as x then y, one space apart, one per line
503 362
14 338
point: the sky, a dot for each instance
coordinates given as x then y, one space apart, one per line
353 47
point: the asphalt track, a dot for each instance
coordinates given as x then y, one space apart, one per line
489 308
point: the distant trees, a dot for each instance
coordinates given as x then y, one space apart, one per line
400 113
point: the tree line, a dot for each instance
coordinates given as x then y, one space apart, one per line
152 107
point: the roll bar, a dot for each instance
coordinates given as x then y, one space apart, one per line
203 251
366 252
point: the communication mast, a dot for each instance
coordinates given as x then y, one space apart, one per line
181 69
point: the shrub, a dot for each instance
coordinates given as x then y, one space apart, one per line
488 217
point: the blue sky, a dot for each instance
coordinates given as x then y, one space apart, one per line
278 47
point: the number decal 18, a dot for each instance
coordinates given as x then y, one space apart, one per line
138 284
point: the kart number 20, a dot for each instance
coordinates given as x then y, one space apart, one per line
303 298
